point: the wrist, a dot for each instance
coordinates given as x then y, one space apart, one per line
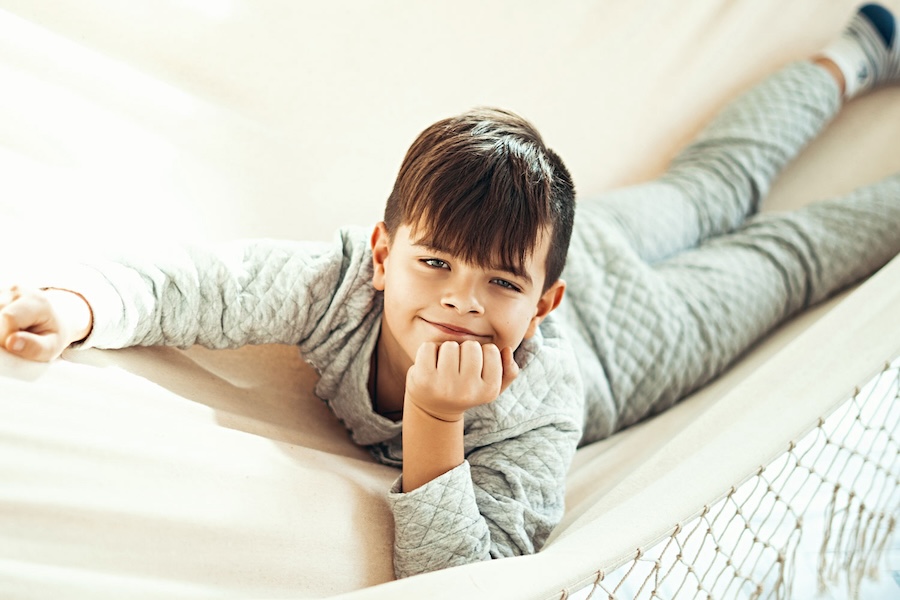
431 446
443 416
73 311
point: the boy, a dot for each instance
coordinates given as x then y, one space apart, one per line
453 305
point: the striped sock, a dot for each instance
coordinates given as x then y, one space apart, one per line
867 52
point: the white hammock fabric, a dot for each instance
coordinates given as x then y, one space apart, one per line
161 473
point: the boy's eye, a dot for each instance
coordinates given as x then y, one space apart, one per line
436 263
506 284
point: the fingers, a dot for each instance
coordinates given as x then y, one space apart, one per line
24 313
500 368
8 295
471 359
25 328
34 347
474 362
448 379
467 359
510 368
492 369
449 358
426 355
8 322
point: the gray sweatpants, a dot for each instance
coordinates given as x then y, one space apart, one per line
670 281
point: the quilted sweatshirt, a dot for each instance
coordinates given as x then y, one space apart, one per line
503 500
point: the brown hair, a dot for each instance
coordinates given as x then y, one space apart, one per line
484 187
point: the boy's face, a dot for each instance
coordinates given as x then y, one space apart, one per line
432 296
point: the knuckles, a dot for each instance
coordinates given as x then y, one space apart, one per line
471 374
15 294
435 383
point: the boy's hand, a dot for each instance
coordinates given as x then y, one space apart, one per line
40 324
447 380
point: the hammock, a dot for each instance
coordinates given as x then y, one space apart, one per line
166 473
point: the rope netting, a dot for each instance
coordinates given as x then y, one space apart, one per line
820 516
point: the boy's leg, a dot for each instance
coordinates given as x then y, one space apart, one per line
723 176
669 328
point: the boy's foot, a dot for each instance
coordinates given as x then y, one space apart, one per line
867 52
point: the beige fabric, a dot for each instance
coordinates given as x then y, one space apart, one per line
163 473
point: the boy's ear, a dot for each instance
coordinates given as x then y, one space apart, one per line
547 303
381 246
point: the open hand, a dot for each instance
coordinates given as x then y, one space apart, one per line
449 378
40 324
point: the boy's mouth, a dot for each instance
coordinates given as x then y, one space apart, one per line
454 330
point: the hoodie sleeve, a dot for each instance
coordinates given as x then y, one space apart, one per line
504 500
247 292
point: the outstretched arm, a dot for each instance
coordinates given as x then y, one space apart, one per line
246 292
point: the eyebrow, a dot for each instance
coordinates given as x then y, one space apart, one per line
514 270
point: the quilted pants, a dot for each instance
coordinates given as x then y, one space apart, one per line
670 281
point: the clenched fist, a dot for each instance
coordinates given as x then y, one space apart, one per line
449 378
40 324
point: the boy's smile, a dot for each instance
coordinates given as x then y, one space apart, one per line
431 296
456 331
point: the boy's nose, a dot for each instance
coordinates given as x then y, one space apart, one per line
463 299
